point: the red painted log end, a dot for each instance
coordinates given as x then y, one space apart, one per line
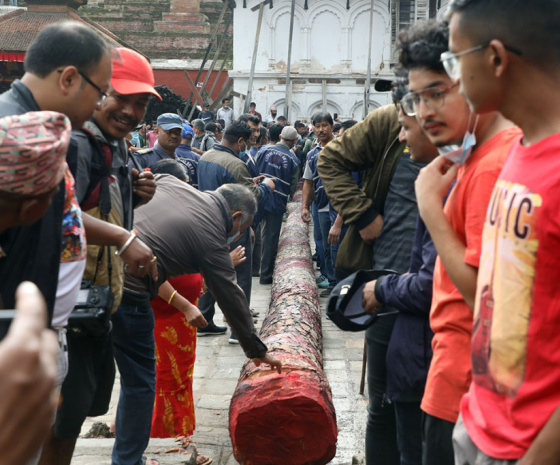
283 419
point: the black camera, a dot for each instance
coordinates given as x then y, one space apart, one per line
92 312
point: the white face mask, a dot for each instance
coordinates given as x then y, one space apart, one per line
235 236
244 149
461 154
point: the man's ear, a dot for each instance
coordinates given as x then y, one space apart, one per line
499 58
68 79
237 215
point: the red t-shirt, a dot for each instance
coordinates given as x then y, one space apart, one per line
450 316
516 336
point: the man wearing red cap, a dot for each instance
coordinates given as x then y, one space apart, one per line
99 160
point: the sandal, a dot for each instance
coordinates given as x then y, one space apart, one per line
203 460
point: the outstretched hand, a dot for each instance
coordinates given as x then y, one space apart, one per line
269 360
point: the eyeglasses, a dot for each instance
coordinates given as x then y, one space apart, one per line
96 87
103 94
433 98
450 60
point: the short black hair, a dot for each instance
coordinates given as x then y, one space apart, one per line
336 127
68 43
221 122
299 124
532 27
212 127
348 124
421 46
246 117
170 166
224 99
236 130
281 118
399 89
253 104
274 132
322 116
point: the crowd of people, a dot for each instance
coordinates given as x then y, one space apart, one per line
130 234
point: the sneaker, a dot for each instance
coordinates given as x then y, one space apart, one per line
314 257
320 278
326 292
323 284
233 339
211 330
265 281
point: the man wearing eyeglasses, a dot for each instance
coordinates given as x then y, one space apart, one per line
511 414
98 158
456 229
54 80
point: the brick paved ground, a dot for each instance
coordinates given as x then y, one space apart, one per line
215 376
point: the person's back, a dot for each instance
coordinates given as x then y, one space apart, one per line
512 409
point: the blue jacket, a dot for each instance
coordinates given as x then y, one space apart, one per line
221 165
410 348
277 161
148 157
321 198
190 160
249 159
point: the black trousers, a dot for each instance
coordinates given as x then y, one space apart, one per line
381 428
437 441
270 237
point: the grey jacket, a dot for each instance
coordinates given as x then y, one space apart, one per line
187 230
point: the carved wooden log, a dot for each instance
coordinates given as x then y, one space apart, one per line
287 419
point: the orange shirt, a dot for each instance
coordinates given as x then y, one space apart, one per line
451 318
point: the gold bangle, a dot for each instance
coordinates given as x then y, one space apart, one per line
171 298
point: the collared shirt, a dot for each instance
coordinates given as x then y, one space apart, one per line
192 239
148 157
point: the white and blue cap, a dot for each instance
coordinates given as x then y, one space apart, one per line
188 132
168 121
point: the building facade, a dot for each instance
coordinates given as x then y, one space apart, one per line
329 53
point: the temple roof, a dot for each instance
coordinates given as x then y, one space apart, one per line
19 28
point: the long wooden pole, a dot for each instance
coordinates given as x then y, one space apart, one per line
287 419
226 54
368 77
210 45
215 59
287 106
254 60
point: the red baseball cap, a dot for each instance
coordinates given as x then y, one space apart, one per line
132 74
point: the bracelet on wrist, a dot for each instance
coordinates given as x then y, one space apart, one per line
171 298
133 235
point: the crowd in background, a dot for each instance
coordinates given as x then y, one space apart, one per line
130 232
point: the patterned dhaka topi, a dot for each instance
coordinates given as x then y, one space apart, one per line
33 152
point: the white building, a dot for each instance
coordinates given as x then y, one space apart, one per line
329 53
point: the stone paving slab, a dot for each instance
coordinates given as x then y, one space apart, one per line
217 368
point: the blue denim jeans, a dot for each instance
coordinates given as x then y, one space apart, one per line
325 225
334 248
318 238
134 350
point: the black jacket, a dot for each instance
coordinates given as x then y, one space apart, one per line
32 252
